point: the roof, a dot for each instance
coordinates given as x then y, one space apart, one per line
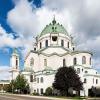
54 27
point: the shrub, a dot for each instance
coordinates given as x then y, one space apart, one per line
35 93
49 91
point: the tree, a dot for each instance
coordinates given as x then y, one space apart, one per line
21 84
65 78
18 85
10 87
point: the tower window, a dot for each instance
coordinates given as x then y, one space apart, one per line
64 62
46 43
83 60
40 45
62 43
54 38
45 62
16 62
75 61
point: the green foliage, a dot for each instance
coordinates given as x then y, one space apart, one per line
10 87
49 91
65 78
35 93
19 85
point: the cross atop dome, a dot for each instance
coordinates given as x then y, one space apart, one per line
54 21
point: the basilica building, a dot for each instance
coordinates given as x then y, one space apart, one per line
54 48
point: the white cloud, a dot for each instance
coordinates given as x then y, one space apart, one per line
8 40
80 18
22 18
3 70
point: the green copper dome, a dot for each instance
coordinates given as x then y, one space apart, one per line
53 27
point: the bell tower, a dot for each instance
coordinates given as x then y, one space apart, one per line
14 64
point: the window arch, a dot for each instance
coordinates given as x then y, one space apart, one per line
31 61
46 43
83 60
75 61
62 43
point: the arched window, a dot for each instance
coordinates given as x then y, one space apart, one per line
41 90
41 79
64 62
62 43
85 80
78 70
31 78
46 43
96 81
40 45
31 61
68 44
75 61
37 80
90 60
83 60
45 62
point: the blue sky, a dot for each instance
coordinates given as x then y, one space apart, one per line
21 20
5 7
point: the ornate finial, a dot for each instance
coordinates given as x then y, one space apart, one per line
54 21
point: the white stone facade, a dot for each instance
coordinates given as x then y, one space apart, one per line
54 48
